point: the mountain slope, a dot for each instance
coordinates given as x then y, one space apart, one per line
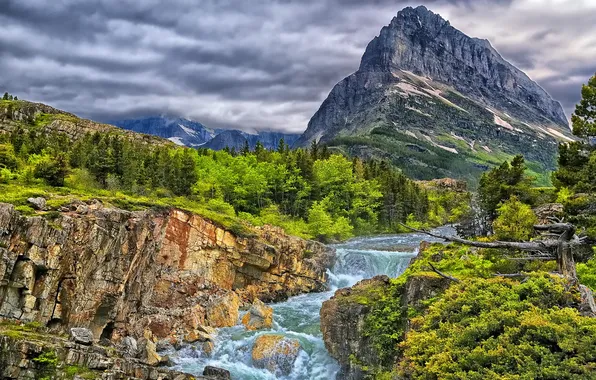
438 103
193 134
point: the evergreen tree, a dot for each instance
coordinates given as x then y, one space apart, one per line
245 148
282 147
52 170
577 160
584 117
5 97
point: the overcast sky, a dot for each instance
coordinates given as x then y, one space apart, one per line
264 64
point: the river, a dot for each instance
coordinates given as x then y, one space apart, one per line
298 317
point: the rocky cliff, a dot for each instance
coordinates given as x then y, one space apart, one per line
163 275
438 103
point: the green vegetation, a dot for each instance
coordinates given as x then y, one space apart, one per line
8 96
481 326
308 192
502 329
576 177
515 221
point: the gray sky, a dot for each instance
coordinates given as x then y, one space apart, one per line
265 64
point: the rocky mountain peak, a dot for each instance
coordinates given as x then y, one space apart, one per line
422 42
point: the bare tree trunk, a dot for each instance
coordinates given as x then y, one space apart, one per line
561 247
565 260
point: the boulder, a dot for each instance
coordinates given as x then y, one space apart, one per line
129 347
197 336
81 336
217 373
38 203
259 316
223 311
275 353
148 352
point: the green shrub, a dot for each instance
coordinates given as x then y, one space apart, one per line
502 329
515 221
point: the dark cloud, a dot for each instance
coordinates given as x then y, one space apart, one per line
253 64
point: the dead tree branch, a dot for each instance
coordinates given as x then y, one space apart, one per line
443 274
531 246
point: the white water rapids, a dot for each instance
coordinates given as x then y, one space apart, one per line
298 317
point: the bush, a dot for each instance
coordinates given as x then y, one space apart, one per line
5 175
219 205
81 179
8 159
52 170
515 221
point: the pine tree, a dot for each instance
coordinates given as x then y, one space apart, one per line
245 148
282 147
584 117
5 97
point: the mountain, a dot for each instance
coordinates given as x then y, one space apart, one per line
438 103
177 130
230 139
193 134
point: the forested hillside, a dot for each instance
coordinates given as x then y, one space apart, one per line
309 192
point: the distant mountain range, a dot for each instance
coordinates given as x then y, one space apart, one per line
193 134
438 103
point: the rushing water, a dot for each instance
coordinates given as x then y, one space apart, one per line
298 317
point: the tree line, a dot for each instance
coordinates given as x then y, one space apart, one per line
311 192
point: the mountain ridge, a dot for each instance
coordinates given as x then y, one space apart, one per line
194 134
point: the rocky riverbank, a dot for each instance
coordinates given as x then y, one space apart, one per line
158 276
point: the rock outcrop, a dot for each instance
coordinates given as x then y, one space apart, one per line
425 90
347 326
15 114
26 353
275 353
160 275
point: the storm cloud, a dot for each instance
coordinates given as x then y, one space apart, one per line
259 64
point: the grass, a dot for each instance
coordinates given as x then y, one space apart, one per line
17 194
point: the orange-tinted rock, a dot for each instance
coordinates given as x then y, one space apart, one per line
259 316
275 353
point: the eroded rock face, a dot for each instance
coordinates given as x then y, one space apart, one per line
343 328
121 273
275 353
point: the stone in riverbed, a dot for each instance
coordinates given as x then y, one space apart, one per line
216 373
260 316
275 353
223 311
